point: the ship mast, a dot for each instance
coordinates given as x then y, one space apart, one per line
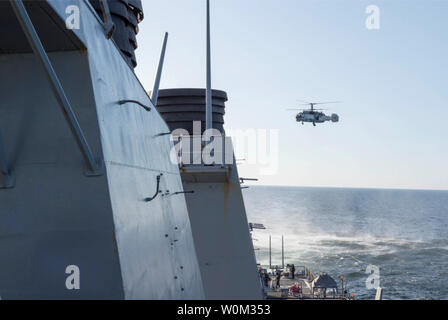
208 96
155 91
283 252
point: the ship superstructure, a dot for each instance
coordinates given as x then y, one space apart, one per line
92 205
81 155
214 198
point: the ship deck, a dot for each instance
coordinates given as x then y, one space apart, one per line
283 293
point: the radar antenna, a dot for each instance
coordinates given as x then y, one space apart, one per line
155 91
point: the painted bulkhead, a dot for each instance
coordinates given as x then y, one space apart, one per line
53 214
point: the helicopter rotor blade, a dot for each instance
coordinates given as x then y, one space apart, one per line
318 103
331 102
312 105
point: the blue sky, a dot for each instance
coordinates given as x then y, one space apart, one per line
268 54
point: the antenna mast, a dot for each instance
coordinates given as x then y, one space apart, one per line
208 96
155 91
283 253
270 257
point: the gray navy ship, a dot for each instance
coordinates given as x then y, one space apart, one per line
94 203
91 205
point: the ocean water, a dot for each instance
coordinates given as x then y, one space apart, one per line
343 231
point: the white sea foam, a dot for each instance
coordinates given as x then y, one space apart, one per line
344 231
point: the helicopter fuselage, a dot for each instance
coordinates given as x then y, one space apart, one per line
315 117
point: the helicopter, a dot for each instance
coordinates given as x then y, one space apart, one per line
314 115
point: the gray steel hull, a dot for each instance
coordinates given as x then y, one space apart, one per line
55 215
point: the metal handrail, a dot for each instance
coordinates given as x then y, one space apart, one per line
121 102
157 189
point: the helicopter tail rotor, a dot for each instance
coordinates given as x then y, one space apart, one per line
334 118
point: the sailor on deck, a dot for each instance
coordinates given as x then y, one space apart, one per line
278 277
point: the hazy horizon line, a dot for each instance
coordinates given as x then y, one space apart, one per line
335 187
